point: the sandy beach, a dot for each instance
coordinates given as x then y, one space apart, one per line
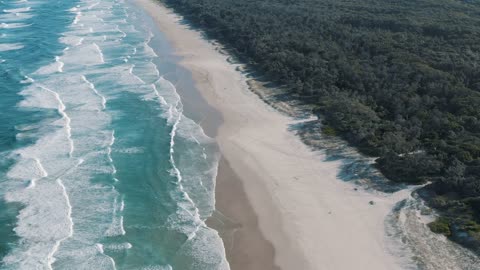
287 208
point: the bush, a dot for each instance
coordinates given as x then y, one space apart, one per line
329 131
440 226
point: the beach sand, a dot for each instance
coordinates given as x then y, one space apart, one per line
285 207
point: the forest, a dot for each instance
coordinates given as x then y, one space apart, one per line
400 80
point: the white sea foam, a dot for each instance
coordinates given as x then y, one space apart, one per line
102 60
162 101
104 100
176 172
71 40
41 232
77 17
200 183
131 150
109 155
158 267
27 80
15 17
120 31
10 46
60 64
67 119
146 51
54 67
118 247
17 10
93 5
43 172
84 207
35 97
52 151
199 176
146 72
28 168
51 258
116 227
83 54
122 205
100 248
13 25
40 167
135 76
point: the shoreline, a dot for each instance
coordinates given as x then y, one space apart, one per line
245 246
307 218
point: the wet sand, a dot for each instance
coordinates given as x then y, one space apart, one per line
245 245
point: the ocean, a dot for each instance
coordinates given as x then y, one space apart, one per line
99 166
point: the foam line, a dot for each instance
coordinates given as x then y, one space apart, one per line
99 247
27 80
42 170
116 227
102 59
10 47
179 113
40 166
61 111
122 205
60 63
17 10
136 77
150 36
157 94
51 258
112 140
123 33
13 25
122 230
92 86
77 17
157 72
109 154
196 214
119 247
15 17
170 109
93 5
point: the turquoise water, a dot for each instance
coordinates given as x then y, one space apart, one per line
99 167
